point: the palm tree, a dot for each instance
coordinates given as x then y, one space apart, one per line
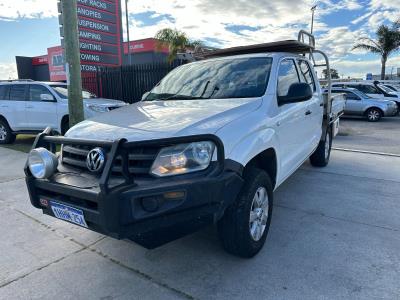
387 42
176 40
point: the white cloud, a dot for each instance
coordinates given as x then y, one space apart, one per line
8 71
274 20
359 69
15 9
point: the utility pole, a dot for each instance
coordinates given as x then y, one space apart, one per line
312 17
127 31
72 56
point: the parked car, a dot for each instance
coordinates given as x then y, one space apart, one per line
372 89
393 87
360 104
209 144
31 107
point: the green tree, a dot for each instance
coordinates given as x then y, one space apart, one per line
176 40
334 74
386 43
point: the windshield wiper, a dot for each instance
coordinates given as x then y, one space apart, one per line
181 97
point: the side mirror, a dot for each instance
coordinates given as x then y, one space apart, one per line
46 97
145 95
298 92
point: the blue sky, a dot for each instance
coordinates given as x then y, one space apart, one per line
29 27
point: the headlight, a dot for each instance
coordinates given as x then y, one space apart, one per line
98 108
42 163
183 159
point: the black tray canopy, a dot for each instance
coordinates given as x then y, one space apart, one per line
291 46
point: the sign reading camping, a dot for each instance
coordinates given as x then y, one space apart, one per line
99 31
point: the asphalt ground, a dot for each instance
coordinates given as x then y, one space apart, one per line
358 133
335 233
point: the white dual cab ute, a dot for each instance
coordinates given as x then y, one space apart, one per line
209 144
28 106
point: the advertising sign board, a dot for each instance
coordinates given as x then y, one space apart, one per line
99 32
56 61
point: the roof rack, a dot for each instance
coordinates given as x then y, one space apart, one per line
17 80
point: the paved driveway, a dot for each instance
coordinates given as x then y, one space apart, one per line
335 233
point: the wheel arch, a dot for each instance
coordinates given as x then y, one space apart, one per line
267 161
63 119
375 107
5 120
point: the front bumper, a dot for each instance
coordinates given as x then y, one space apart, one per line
150 211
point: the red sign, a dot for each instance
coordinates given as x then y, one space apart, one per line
146 45
99 24
40 60
56 63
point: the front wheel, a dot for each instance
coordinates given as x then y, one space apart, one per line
320 158
244 227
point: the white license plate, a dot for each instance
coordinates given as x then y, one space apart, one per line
68 213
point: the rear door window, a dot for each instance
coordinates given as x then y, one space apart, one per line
306 74
4 92
287 75
18 92
352 96
36 90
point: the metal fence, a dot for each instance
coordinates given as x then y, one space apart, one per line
127 83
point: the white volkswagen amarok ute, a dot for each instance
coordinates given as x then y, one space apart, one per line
208 145
28 106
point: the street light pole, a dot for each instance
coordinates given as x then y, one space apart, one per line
127 31
312 17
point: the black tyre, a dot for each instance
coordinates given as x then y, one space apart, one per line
6 135
373 114
64 125
320 158
245 225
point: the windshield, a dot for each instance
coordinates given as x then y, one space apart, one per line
216 79
385 89
62 91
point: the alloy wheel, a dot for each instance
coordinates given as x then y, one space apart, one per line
3 133
373 115
259 214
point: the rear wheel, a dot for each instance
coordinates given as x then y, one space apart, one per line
244 227
320 158
373 114
6 135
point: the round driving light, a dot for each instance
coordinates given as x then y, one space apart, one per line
42 163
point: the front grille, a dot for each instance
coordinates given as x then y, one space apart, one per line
140 159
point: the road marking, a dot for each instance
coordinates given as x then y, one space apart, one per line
366 152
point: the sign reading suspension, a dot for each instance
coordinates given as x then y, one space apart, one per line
99 31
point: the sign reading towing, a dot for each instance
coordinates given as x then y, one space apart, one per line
99 30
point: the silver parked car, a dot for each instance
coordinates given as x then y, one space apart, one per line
360 104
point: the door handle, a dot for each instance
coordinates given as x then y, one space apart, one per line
29 106
308 112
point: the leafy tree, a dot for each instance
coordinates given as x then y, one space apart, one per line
176 40
334 74
386 43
